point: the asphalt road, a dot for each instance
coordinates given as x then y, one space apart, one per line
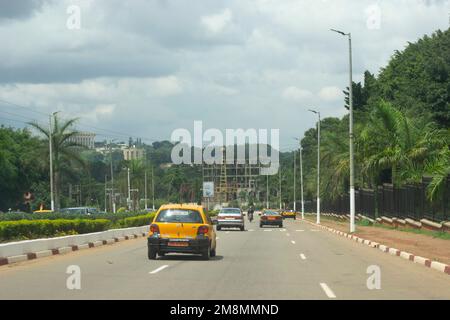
297 262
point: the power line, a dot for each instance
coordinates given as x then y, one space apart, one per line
79 123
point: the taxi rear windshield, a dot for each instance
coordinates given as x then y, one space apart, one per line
179 215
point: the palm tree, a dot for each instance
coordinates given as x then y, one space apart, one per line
399 143
65 151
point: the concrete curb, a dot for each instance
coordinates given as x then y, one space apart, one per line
67 248
442 267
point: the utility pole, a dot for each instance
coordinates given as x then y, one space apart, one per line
352 167
295 178
113 196
129 190
50 138
153 190
301 180
279 171
106 197
145 189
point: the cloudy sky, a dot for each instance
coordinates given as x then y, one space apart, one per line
144 68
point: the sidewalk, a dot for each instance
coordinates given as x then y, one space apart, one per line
417 244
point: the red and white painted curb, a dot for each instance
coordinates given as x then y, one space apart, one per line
442 267
64 250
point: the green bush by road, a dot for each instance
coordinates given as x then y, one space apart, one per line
33 229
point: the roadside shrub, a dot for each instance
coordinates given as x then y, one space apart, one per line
135 221
32 229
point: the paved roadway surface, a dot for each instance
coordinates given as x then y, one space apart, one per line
297 262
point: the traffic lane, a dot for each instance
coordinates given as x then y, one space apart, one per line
347 262
103 268
121 271
256 265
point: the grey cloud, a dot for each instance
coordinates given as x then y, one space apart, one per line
19 9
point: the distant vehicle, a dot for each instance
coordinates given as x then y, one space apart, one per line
181 228
271 218
43 211
230 218
81 210
289 214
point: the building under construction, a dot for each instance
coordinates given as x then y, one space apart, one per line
231 180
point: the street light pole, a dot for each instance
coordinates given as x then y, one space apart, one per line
352 168
301 176
267 191
301 180
318 166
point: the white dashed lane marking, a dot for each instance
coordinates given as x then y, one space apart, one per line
293 242
299 230
302 256
159 269
330 294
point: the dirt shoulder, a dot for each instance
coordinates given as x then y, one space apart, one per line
417 244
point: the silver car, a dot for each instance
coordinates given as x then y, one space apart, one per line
230 218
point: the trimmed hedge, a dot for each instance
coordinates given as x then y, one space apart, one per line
33 229
64 216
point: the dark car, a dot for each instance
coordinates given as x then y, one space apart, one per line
81 210
271 218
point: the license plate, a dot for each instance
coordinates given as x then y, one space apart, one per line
271 218
178 244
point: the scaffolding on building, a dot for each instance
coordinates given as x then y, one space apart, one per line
232 179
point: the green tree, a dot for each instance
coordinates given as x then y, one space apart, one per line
65 151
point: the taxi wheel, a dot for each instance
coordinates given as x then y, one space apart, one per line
206 254
212 253
151 254
242 228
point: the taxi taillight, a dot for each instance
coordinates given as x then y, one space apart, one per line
202 230
154 228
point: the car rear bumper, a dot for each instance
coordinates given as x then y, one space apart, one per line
271 222
289 216
230 223
196 246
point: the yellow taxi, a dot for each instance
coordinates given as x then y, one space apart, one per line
181 228
289 214
42 211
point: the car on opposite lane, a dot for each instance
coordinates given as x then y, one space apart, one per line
181 228
271 218
230 218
